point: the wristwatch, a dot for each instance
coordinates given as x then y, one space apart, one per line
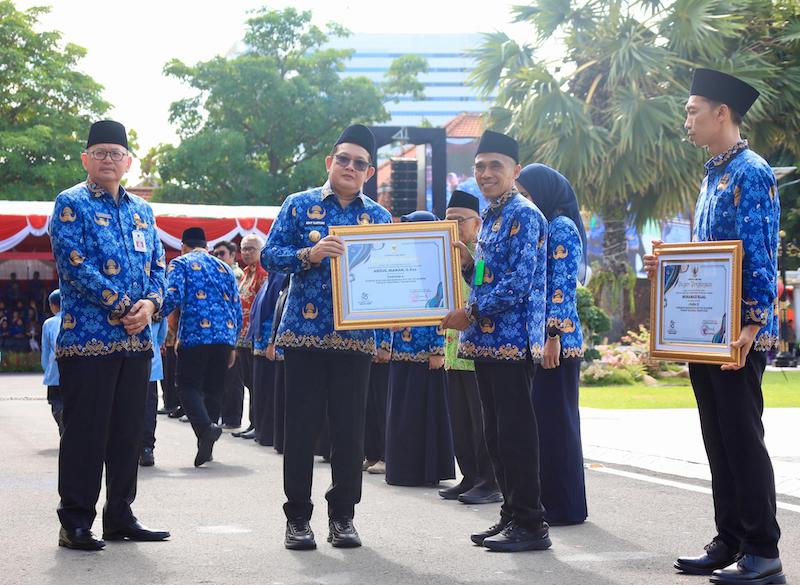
553 332
473 314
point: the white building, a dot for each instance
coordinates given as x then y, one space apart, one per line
447 92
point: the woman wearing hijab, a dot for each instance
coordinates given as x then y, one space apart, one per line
555 384
419 442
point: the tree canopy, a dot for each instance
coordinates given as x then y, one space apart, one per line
262 121
46 107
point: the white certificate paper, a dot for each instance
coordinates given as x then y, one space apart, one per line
395 274
695 306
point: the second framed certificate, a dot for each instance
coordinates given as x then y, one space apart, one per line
395 274
695 303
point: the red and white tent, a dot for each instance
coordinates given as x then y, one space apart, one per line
23 224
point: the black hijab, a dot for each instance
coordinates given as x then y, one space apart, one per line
554 196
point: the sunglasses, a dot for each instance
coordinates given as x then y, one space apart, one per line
344 162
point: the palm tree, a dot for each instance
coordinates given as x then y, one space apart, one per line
608 113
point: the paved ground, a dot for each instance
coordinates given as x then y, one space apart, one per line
228 528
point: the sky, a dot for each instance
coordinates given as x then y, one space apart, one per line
129 43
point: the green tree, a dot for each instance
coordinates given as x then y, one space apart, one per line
262 122
46 107
608 114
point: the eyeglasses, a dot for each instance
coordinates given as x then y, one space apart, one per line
249 249
494 166
220 253
344 162
100 154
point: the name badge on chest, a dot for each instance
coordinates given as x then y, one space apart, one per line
139 241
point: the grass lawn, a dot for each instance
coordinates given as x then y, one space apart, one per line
779 392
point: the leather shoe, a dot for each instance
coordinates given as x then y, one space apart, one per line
177 413
452 492
205 445
752 570
299 535
136 531
237 433
516 538
79 539
479 537
342 533
718 555
480 496
147 458
249 435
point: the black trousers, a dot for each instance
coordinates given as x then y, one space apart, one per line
742 480
200 374
56 406
239 377
104 401
280 404
150 414
263 394
466 420
168 390
555 402
512 438
316 382
375 424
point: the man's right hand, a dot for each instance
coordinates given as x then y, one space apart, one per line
650 261
327 247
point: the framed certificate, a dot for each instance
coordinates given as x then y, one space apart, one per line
695 302
395 274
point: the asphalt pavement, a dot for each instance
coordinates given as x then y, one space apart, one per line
227 524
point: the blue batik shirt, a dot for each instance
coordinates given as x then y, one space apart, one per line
739 201
205 290
383 339
109 257
303 220
564 254
417 344
511 298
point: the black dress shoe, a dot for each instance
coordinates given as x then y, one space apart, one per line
516 538
79 539
136 531
299 535
205 445
479 537
249 435
752 570
342 533
177 413
147 458
479 495
452 492
238 433
166 410
718 555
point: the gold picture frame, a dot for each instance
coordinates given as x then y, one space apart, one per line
398 264
692 329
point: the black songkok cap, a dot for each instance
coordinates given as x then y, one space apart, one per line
107 132
724 88
360 135
194 236
500 143
466 200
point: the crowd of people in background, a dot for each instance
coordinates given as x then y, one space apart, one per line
23 310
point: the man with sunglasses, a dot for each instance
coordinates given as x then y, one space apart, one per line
111 277
225 250
326 370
